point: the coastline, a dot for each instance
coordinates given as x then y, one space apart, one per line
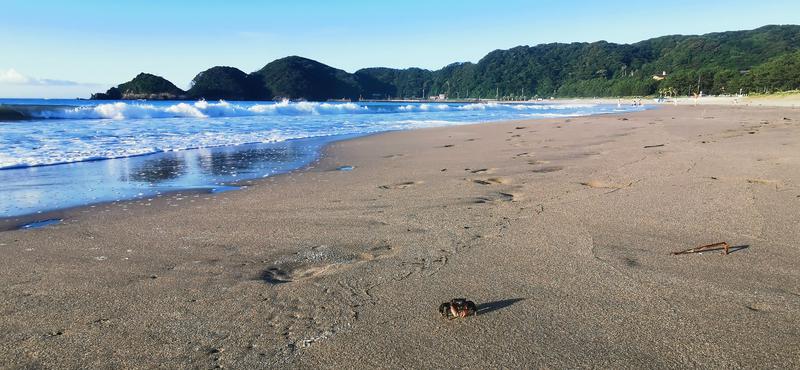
95 168
72 213
8 223
14 222
560 229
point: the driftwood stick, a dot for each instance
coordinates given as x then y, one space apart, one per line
707 247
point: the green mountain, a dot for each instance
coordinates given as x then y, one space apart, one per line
383 83
143 86
766 59
227 83
721 62
300 78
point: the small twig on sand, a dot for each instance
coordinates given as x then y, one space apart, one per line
707 247
654 146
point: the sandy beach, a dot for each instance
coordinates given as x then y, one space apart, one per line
561 230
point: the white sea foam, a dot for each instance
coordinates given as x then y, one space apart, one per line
81 151
426 107
413 123
204 109
199 109
124 129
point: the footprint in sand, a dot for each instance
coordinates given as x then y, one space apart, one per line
625 257
319 260
537 162
447 146
497 197
401 185
764 182
547 169
598 184
492 181
482 170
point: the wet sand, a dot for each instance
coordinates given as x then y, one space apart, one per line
561 230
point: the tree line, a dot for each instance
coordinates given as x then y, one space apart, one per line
763 60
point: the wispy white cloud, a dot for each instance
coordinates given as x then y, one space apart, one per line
12 77
14 84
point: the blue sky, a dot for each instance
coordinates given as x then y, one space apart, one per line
60 48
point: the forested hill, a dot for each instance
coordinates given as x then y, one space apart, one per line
766 59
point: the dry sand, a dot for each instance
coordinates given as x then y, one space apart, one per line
561 230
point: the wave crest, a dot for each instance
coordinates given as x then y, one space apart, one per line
204 109
199 109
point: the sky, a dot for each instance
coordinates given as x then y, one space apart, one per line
59 48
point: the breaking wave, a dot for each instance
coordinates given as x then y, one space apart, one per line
39 134
94 150
199 109
434 107
204 109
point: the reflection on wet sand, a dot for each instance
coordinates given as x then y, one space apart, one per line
222 163
214 169
157 170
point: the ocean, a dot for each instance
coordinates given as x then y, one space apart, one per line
56 154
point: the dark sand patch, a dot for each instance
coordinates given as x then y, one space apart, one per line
547 169
400 185
493 181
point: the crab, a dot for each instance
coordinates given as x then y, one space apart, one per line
458 308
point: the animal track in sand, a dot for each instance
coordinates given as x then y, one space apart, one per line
623 258
492 181
597 184
482 170
537 161
764 182
758 307
317 261
500 196
547 169
401 185
600 184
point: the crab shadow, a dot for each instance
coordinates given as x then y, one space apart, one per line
488 307
737 248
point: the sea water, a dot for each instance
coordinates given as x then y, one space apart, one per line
56 154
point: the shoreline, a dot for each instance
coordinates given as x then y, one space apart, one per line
560 230
16 222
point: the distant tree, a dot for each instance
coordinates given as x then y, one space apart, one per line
227 83
145 83
301 78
